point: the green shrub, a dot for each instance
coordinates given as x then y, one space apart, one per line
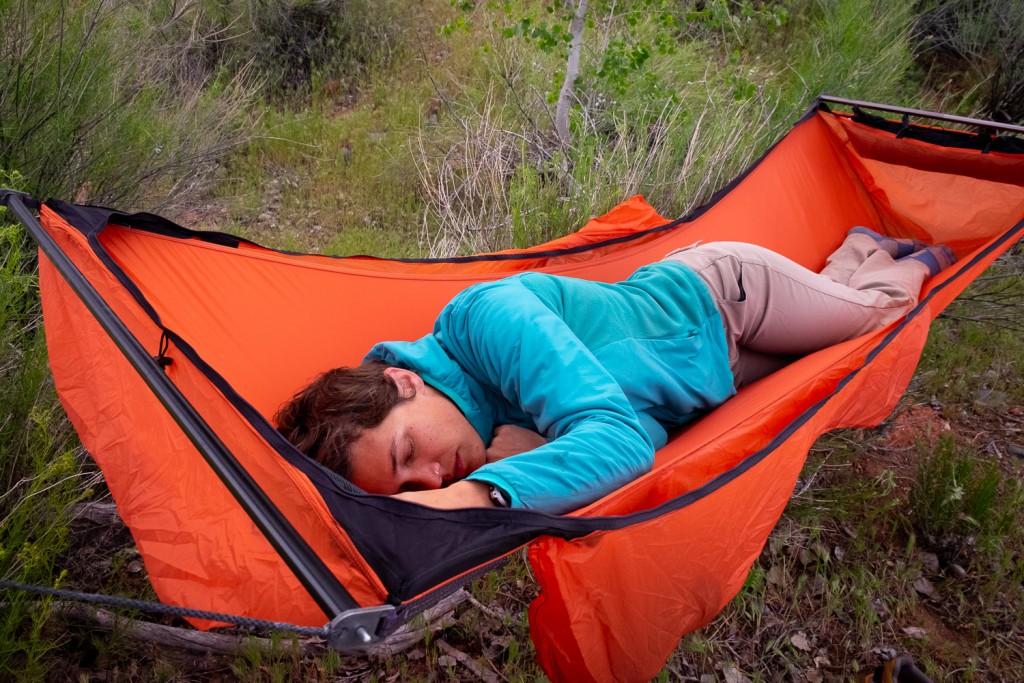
300 46
85 113
975 48
39 472
693 117
958 505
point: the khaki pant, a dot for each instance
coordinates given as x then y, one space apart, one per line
774 309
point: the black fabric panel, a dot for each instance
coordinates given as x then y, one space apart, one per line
91 220
30 202
1007 144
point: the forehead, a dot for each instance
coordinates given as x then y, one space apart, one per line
374 456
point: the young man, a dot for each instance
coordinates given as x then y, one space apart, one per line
548 393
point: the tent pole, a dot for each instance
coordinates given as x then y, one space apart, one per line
329 594
981 123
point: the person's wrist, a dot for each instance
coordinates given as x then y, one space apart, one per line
473 493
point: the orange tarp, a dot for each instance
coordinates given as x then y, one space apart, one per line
614 602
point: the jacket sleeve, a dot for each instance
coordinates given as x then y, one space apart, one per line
506 338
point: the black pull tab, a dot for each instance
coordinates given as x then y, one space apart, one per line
162 359
988 144
906 127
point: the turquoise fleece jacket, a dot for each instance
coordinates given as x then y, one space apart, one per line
601 370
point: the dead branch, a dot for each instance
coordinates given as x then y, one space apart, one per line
203 642
200 642
436 618
100 514
468 662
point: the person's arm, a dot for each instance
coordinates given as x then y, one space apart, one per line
505 337
508 440
461 494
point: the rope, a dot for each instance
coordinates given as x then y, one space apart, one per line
160 608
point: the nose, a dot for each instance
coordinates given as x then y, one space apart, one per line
424 476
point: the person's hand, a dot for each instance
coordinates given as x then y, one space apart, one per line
512 440
461 494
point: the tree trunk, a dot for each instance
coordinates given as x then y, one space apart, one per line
572 71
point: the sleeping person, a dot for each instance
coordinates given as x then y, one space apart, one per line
547 392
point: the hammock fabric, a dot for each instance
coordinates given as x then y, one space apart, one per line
237 328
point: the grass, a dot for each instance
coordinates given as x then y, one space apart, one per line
41 476
453 133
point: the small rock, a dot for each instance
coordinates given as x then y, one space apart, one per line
924 587
929 562
956 570
1015 450
812 676
446 661
839 552
885 653
708 678
734 675
988 398
818 585
776 575
915 631
800 641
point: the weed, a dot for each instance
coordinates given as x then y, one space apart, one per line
955 507
40 474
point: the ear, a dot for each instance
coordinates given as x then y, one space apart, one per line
408 382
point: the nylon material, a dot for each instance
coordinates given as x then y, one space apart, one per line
704 541
306 511
158 489
931 211
869 143
159 518
153 526
632 216
960 215
255 323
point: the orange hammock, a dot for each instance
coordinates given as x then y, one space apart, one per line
172 367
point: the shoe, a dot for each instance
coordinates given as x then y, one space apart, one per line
897 247
937 257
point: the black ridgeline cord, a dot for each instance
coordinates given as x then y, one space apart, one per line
160 608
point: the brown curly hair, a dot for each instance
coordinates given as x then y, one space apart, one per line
325 418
